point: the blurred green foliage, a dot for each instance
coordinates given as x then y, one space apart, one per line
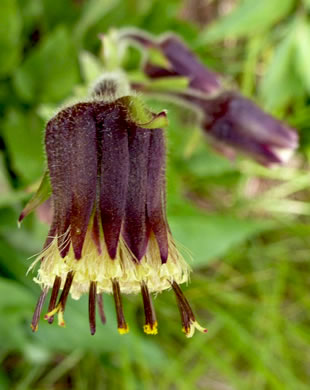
246 227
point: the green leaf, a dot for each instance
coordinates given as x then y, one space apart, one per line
50 72
13 294
13 197
307 4
281 82
8 218
249 18
41 195
12 260
94 10
5 187
303 52
208 237
4 381
64 12
23 137
91 67
16 302
204 162
31 12
10 29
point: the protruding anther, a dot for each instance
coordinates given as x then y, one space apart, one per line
92 307
150 326
121 322
61 305
53 300
38 309
189 323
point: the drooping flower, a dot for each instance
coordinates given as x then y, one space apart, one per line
106 165
229 119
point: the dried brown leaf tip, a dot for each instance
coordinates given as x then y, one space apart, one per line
106 163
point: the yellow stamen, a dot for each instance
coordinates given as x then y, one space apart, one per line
99 267
199 327
34 328
123 330
59 311
61 321
52 312
191 330
148 329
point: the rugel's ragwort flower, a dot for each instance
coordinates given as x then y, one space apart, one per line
106 164
229 119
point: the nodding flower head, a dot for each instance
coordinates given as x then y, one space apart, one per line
106 164
231 121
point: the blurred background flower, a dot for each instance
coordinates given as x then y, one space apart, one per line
245 226
229 119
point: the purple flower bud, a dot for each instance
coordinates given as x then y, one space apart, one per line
238 122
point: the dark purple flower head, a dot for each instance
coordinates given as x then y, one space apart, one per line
228 118
106 164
